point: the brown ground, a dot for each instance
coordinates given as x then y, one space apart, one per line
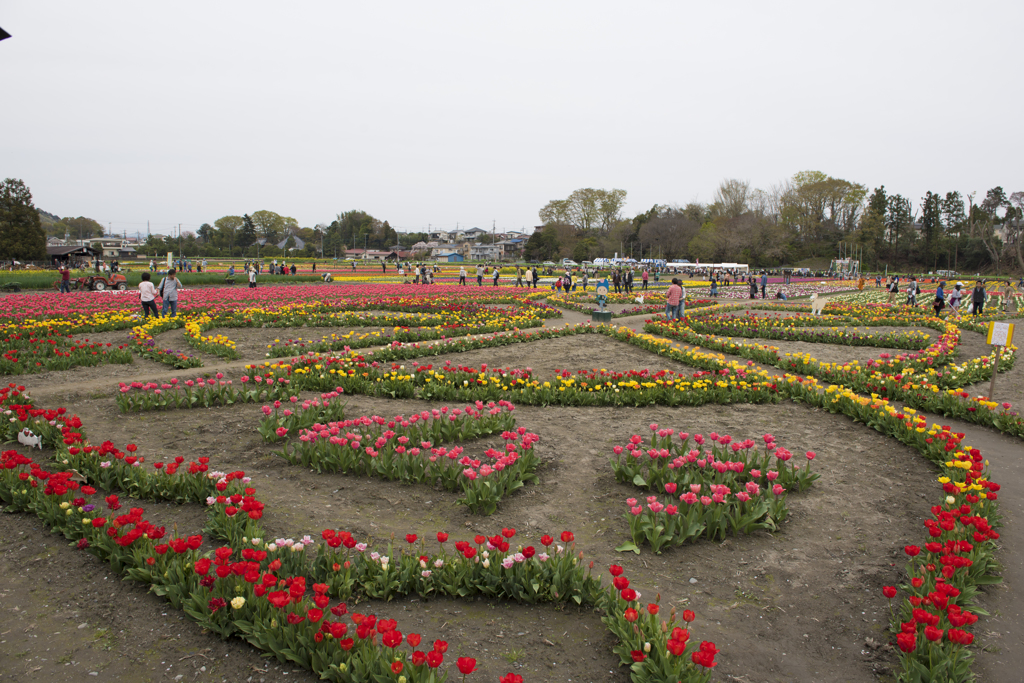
799 605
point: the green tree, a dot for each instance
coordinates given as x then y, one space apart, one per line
897 219
247 235
954 221
542 245
871 230
270 226
205 233
931 228
704 243
227 232
21 233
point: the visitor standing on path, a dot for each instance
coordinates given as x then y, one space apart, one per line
672 299
169 287
479 275
497 271
65 279
147 295
978 298
252 278
764 284
519 276
462 276
643 279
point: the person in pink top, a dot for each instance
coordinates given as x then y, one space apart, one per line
675 292
644 278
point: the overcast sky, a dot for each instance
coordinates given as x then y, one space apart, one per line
448 113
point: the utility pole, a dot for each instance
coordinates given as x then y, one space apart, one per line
179 240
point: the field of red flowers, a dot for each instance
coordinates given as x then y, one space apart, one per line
794 596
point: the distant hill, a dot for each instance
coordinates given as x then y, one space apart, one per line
47 218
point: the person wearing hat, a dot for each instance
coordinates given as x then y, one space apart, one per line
955 297
940 300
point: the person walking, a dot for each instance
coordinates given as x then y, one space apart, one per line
147 295
672 298
314 266
714 287
519 276
912 290
978 298
479 275
252 278
567 281
529 278
894 288
681 308
617 281
586 278
940 299
753 287
629 281
462 276
169 287
497 272
764 284
643 279
293 269
955 298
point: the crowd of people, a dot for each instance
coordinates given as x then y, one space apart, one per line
954 298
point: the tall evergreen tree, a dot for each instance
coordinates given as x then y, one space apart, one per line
247 235
21 232
931 227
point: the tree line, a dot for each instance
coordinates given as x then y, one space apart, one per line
809 216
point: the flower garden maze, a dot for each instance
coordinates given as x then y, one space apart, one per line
285 596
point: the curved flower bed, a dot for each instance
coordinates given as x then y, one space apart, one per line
278 595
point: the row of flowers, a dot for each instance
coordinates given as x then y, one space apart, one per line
278 595
715 486
957 560
202 392
279 305
410 450
786 329
30 351
920 380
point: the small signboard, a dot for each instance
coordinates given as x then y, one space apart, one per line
1000 334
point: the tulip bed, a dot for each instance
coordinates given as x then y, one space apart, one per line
708 478
38 350
944 574
277 595
409 449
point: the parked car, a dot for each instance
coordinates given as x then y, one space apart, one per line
569 262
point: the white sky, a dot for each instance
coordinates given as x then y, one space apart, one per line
467 112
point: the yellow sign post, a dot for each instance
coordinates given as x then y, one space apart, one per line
999 335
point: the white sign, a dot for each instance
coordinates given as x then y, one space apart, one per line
1000 334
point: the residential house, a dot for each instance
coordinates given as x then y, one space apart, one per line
449 257
485 252
299 243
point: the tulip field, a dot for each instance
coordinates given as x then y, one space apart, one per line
375 481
